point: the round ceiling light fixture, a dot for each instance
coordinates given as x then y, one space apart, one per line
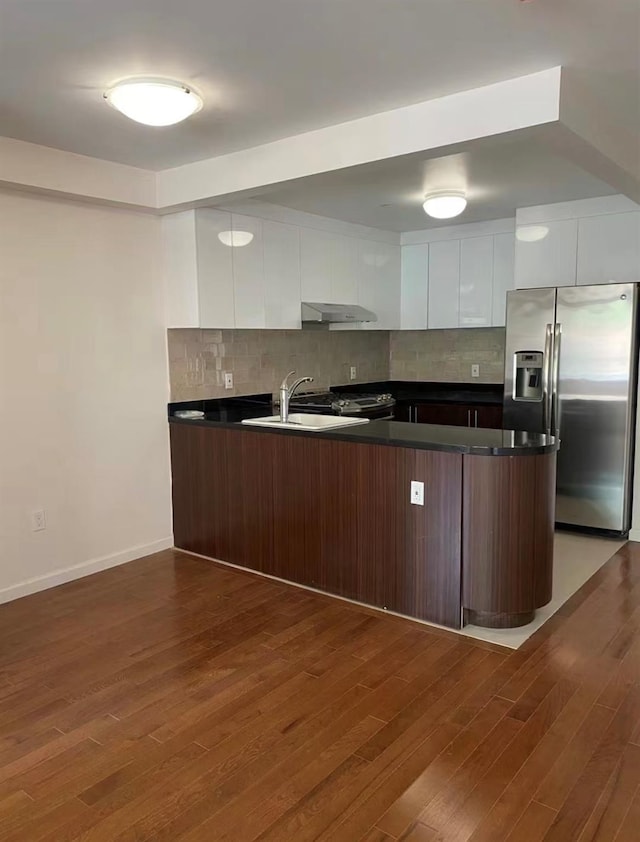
531 233
154 102
236 239
445 204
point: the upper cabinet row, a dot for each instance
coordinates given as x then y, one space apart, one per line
599 249
460 278
457 283
212 283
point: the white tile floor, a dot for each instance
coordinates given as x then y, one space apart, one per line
576 559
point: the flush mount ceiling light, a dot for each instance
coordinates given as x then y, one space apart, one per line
531 233
445 204
154 102
236 239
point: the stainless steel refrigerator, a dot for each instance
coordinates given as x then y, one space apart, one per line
571 370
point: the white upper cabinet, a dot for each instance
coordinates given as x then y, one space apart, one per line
379 283
215 281
248 274
215 269
281 275
476 282
414 286
316 264
609 248
503 276
458 277
344 278
444 284
328 267
551 260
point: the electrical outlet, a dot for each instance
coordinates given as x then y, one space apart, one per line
353 372
228 380
475 371
38 520
417 493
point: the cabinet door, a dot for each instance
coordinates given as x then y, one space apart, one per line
551 260
476 282
414 284
609 249
488 416
316 265
453 415
215 269
403 412
180 268
281 275
444 284
344 275
503 276
379 283
248 274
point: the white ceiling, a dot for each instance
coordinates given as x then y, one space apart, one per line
272 68
499 175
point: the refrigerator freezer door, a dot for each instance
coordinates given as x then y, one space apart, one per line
595 404
530 321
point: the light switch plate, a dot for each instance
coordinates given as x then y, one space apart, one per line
475 370
417 493
228 380
353 372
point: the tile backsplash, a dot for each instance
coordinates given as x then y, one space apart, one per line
447 355
259 359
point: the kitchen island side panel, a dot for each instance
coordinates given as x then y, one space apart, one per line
327 514
508 532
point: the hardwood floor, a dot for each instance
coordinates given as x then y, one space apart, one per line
174 698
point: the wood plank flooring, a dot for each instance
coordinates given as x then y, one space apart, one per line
177 699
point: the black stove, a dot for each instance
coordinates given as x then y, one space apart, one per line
344 403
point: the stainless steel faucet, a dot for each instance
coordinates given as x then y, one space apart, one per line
286 393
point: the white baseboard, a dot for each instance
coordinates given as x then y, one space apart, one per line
86 568
634 534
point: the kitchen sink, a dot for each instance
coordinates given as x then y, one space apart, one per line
310 422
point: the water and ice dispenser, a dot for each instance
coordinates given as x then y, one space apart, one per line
528 379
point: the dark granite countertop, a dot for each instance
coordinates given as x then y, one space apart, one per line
228 413
408 391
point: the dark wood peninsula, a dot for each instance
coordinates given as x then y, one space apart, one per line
332 511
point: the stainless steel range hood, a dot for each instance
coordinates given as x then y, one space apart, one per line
336 313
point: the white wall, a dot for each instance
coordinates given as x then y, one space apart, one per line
83 390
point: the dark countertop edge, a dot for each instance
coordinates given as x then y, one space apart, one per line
355 438
404 391
491 394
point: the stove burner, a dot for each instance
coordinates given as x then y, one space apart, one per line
344 403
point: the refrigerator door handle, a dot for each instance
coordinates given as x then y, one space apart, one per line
547 386
555 403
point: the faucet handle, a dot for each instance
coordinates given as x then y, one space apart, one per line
283 385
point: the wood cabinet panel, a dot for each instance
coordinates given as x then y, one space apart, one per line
327 514
489 416
457 415
507 548
451 414
403 412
